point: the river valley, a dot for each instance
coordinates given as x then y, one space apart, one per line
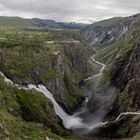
82 122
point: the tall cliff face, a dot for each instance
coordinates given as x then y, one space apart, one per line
124 75
71 65
109 30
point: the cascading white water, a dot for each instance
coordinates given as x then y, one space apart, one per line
69 121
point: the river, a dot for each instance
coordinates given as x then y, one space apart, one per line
82 120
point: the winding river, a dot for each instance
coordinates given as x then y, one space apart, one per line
75 121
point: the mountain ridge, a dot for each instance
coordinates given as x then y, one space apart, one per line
109 30
37 22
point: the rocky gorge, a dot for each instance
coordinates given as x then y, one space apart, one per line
90 100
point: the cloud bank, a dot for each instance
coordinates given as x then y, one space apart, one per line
69 10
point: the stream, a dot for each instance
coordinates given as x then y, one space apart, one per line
81 120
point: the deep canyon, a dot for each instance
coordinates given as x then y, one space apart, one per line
70 83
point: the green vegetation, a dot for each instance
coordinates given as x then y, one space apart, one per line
72 84
37 23
38 109
28 56
16 106
14 22
137 136
38 56
31 55
106 52
17 129
109 22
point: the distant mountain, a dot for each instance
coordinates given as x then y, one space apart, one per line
36 22
106 35
71 25
109 30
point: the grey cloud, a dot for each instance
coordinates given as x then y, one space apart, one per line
69 10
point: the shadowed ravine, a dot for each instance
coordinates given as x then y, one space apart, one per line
82 121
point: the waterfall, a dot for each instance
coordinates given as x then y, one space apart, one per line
69 121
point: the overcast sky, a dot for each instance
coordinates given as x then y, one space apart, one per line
69 10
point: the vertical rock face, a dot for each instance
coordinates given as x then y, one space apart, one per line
100 33
128 68
125 76
72 66
56 85
78 57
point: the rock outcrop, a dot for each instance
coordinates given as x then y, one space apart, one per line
71 65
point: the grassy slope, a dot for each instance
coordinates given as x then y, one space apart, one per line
14 22
35 22
111 50
108 23
22 22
